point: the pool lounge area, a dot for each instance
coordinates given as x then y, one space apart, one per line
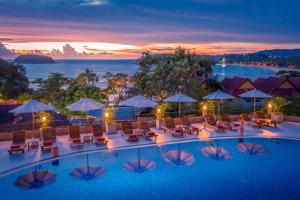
210 165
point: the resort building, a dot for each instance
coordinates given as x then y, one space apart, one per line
278 86
296 82
237 85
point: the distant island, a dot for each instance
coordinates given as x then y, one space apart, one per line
33 59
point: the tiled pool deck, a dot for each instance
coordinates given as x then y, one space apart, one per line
117 141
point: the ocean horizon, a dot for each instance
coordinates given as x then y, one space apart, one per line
72 68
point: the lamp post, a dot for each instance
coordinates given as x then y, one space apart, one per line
270 108
204 110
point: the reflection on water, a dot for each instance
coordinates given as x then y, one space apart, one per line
242 175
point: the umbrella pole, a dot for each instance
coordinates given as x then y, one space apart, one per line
32 114
179 107
254 104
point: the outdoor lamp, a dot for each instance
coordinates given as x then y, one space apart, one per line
269 108
44 119
204 110
106 114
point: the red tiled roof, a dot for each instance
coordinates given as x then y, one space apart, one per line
232 85
296 82
270 86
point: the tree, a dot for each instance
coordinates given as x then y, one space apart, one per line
116 85
88 76
77 91
288 74
163 76
13 80
51 89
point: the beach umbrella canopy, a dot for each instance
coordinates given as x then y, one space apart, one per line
218 95
35 179
87 173
85 104
32 106
139 165
139 102
216 153
252 148
255 94
180 98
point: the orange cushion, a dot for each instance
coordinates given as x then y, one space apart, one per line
194 129
220 126
178 130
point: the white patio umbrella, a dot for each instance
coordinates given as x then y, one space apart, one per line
139 102
180 98
255 94
218 95
84 105
32 106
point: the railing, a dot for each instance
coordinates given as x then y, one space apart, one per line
8 128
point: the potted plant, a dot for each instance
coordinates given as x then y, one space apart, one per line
276 107
110 121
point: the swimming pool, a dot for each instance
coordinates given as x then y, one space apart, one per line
255 168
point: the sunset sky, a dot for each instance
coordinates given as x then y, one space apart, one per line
123 29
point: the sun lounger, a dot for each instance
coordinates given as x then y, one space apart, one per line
18 142
98 136
143 125
48 138
127 130
246 120
74 136
191 129
260 116
211 122
170 127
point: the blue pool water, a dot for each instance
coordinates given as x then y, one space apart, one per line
274 175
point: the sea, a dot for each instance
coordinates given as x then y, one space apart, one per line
72 68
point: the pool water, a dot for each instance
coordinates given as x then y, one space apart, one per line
275 174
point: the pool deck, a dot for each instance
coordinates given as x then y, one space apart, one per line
117 141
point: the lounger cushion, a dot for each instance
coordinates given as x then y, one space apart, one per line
101 139
47 143
133 137
76 140
178 130
194 129
15 146
151 133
